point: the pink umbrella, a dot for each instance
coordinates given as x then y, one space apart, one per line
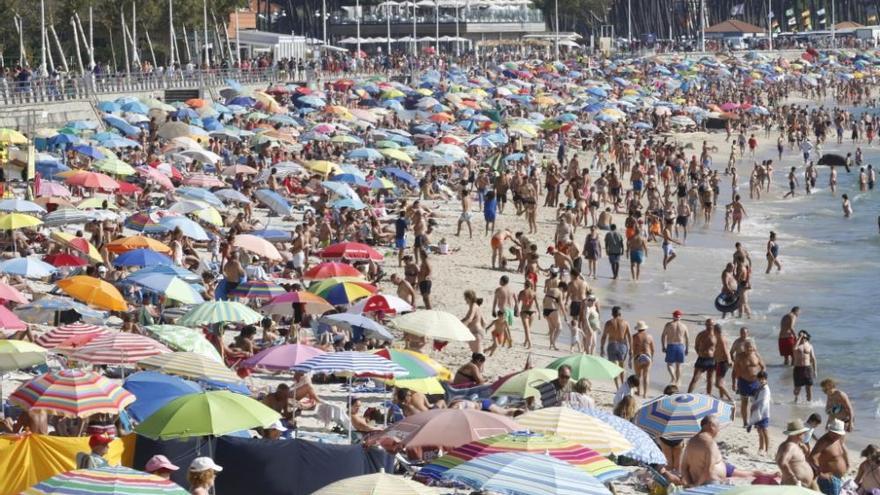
156 176
49 188
281 357
324 128
119 348
55 337
729 106
10 293
203 180
257 245
9 322
447 428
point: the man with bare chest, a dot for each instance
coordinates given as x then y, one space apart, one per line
746 366
704 344
619 339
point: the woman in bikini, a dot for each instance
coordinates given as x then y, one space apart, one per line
528 305
474 320
551 303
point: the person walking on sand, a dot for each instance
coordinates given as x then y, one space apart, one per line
642 356
614 248
787 334
528 307
466 214
619 341
704 345
504 301
637 249
830 458
792 456
746 366
722 362
474 320
804 366
675 345
773 254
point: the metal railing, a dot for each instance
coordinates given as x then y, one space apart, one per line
79 87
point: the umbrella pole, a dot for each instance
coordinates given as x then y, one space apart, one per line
2 405
349 408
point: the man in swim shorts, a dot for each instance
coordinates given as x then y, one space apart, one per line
617 334
704 345
643 350
787 335
505 301
674 342
746 366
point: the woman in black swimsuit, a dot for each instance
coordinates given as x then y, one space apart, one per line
528 304
552 302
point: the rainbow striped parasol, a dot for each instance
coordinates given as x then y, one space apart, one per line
109 479
258 289
73 393
119 348
578 427
524 441
677 417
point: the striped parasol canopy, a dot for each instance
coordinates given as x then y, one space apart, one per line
219 312
376 483
343 293
184 339
258 289
351 251
677 417
283 304
518 473
358 363
189 365
58 336
448 428
644 448
73 393
525 441
281 357
578 427
108 480
119 348
416 367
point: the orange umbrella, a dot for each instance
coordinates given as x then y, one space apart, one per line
137 242
94 292
441 117
92 180
196 102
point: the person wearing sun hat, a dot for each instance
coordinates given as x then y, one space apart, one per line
201 474
792 454
830 458
160 466
643 355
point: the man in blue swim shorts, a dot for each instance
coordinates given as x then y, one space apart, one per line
746 366
674 342
619 339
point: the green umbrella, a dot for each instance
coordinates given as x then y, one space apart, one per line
588 366
524 383
206 413
219 312
114 166
185 339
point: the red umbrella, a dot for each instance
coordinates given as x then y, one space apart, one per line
331 269
119 348
343 84
64 259
129 188
58 336
351 251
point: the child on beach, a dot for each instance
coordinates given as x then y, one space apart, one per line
500 333
759 413
812 423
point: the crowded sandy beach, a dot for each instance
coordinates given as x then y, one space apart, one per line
588 275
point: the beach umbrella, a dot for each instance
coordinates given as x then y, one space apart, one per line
177 271
573 453
28 267
89 151
137 242
213 413
576 426
200 194
359 324
19 354
644 448
92 180
184 339
281 357
677 417
273 201
118 348
433 324
232 195
203 180
105 480
351 251
10 323
72 393
398 155
46 309
168 285
283 304
144 222
114 166
415 367
588 366
66 333
20 206
188 227
369 154
523 384
356 363
258 289
10 293
331 269
67 216
141 257
342 293
448 428
385 303
257 245
99 202
375 484
211 312
153 390
78 244
14 221
189 365
94 292
322 167
49 188
515 473
11 136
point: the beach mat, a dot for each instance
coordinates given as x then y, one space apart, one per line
268 467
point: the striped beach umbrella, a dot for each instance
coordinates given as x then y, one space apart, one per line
374 484
345 292
524 441
189 365
119 348
281 357
109 480
219 312
145 222
358 363
677 417
73 393
412 364
258 289
60 335
644 448
184 339
517 473
578 427
283 304
448 428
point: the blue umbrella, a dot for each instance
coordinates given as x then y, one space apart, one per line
200 194
237 387
352 362
351 179
482 141
231 195
20 206
339 188
82 125
677 417
370 328
89 151
64 140
433 159
45 309
108 106
598 92
185 112
153 390
122 125
189 227
311 101
142 257
135 107
48 169
514 157
365 154
244 101
160 284
120 142
644 448
273 235
27 267
401 175
273 201
173 270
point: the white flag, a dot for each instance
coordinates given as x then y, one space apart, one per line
738 9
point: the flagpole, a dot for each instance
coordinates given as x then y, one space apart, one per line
770 25
702 25
833 37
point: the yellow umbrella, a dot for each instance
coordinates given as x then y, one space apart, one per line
323 167
18 354
94 292
392 93
428 386
433 324
114 166
394 154
578 427
374 484
12 136
424 91
210 215
96 202
65 239
13 221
